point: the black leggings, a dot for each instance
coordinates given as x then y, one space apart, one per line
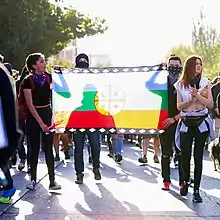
186 142
34 131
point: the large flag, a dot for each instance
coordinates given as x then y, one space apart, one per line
132 100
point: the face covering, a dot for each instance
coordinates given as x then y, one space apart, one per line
195 81
174 73
82 65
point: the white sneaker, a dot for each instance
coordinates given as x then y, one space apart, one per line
31 185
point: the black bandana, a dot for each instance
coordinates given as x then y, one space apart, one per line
174 73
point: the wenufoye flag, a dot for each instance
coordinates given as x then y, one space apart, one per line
133 98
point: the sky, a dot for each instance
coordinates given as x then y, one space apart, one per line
141 32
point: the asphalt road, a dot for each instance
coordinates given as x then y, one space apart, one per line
126 191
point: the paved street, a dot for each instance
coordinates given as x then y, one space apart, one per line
127 192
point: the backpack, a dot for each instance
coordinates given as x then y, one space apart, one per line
22 107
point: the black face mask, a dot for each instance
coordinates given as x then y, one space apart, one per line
195 81
174 73
82 65
175 69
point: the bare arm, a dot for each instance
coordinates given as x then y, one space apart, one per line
180 104
208 102
29 103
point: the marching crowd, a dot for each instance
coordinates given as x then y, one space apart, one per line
193 104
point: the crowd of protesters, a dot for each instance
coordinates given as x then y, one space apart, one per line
193 108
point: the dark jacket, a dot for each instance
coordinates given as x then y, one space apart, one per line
10 117
215 91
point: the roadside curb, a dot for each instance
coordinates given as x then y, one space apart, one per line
26 191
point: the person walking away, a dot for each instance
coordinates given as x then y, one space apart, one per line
13 134
194 97
37 93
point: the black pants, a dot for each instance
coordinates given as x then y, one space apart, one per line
34 132
109 143
79 139
167 141
186 142
21 149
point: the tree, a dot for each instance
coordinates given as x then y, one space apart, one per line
103 65
39 26
182 51
206 42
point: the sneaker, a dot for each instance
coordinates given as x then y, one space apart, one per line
97 175
90 159
67 156
196 197
111 155
21 165
57 157
118 158
166 186
156 159
79 179
138 145
31 185
54 186
143 160
7 195
184 189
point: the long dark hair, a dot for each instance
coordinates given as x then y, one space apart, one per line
24 73
189 70
32 60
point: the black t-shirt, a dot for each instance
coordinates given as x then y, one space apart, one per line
41 95
172 100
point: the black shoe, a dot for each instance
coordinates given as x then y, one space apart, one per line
79 179
54 186
97 175
184 189
196 197
21 165
111 155
67 156
118 158
90 159
143 159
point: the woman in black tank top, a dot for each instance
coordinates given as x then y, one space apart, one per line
37 93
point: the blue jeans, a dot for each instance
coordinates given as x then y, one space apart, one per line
117 144
79 141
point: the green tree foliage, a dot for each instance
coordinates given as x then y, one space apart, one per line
182 51
29 26
206 43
